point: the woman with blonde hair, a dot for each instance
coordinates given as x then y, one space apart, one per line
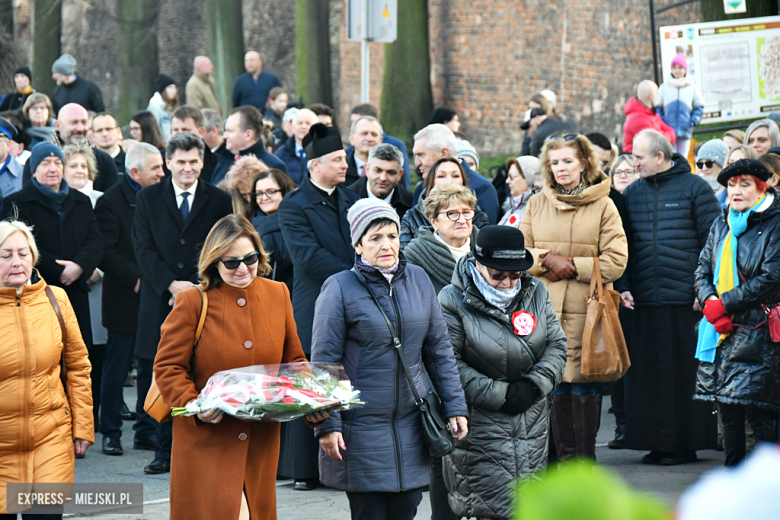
81 169
567 226
222 466
239 181
43 426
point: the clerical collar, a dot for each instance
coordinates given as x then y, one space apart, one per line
326 190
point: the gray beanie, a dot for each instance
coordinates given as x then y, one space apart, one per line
714 150
65 64
465 149
364 212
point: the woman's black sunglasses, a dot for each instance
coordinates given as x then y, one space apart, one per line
569 137
247 260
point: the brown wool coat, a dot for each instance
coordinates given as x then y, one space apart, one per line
37 421
582 227
212 463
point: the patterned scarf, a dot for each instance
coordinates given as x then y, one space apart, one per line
387 272
497 298
726 278
577 190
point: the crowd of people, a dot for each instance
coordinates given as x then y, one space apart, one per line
119 240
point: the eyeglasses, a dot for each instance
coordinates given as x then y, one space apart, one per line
502 275
454 215
568 138
704 163
247 260
269 193
627 173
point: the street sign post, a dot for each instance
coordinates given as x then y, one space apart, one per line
370 21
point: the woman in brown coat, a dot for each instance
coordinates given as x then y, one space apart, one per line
220 465
566 226
39 423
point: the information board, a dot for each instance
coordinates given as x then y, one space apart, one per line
735 63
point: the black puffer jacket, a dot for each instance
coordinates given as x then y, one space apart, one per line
670 215
746 370
270 232
500 447
415 218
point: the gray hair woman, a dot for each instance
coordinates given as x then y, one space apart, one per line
521 176
762 135
377 453
511 353
450 209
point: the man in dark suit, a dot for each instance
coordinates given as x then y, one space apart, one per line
121 284
292 152
244 136
106 136
383 179
172 220
313 219
364 134
188 118
72 126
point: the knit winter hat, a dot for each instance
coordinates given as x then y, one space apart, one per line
714 150
163 80
465 149
364 212
42 151
681 61
24 70
65 64
531 167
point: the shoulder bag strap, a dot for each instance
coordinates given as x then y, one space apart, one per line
58 312
396 340
204 299
597 275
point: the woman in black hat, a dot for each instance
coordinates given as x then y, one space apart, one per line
163 103
511 353
738 285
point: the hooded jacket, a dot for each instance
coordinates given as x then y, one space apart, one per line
639 117
581 227
746 370
481 472
680 105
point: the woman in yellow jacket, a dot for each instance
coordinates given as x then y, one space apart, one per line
42 429
566 226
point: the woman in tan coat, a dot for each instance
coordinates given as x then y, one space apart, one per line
221 465
39 424
569 223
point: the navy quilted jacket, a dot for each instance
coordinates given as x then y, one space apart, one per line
385 447
670 215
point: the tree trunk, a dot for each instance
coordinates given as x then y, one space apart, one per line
712 10
312 30
7 16
407 98
226 46
136 68
46 48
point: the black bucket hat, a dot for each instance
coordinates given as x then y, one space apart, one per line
502 248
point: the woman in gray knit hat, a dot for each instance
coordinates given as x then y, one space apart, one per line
377 453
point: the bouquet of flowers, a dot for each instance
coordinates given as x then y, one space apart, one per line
276 392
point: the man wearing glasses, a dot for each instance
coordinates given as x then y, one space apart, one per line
106 135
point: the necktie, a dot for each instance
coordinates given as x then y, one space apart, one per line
185 206
363 170
302 155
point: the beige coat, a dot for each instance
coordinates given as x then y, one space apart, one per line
38 422
201 93
579 226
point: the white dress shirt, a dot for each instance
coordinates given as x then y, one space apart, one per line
179 199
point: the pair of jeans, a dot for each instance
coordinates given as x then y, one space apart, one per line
384 506
144 424
116 364
761 421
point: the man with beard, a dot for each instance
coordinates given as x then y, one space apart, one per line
72 126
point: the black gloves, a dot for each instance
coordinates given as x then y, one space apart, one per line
519 397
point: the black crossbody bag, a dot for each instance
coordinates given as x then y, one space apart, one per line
434 424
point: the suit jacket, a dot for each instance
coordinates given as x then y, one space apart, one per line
317 236
401 199
115 211
226 158
353 175
107 174
119 161
296 169
167 249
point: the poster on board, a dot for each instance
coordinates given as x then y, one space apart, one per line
735 64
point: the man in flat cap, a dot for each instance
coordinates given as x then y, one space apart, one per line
314 225
72 88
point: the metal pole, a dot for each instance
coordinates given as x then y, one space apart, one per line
365 56
653 37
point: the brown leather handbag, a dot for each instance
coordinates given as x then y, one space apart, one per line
154 404
64 329
604 351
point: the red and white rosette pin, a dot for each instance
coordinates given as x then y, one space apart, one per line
513 220
524 323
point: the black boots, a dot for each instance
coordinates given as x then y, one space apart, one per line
575 423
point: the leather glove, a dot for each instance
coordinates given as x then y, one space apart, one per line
552 276
560 265
519 397
723 325
714 310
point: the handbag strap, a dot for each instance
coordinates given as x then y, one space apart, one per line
396 340
204 299
596 283
58 312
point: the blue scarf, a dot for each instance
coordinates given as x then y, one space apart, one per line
497 298
134 185
55 198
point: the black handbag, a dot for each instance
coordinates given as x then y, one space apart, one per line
435 426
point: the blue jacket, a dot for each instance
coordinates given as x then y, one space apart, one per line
247 91
385 451
225 160
296 168
487 197
389 139
680 107
316 233
670 215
